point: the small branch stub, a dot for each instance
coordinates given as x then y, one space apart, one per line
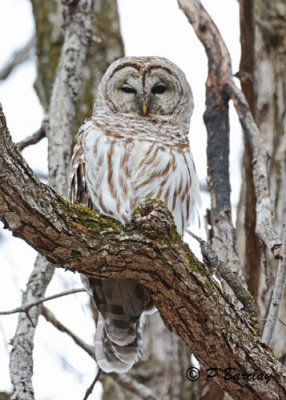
277 296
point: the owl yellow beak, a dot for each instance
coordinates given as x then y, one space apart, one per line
144 109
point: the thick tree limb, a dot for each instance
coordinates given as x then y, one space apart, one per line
221 76
150 251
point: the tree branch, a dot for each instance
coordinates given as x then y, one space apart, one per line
215 264
35 138
220 67
216 118
26 307
18 58
133 386
148 250
277 295
91 387
264 224
50 317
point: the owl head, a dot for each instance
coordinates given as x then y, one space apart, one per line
150 88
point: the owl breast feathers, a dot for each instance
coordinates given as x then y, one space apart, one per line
135 147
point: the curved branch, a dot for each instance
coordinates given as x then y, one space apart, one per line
35 138
18 58
26 307
150 251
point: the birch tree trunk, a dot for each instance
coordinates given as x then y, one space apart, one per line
263 79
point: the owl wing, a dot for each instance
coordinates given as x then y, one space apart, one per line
121 303
78 191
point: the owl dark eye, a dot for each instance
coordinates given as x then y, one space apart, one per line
158 89
128 89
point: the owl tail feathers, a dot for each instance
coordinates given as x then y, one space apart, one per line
112 357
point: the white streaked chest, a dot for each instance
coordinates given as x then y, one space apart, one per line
122 172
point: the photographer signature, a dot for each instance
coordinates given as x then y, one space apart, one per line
228 374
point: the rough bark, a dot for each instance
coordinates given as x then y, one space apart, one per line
222 235
163 352
270 53
77 35
218 55
49 41
106 46
266 80
246 223
150 251
220 78
220 87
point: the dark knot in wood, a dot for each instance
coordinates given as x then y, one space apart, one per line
154 218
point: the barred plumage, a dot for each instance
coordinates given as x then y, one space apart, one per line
134 147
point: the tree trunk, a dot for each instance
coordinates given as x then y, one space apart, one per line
263 79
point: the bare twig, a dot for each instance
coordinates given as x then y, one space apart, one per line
214 264
50 317
41 175
90 388
210 257
277 295
32 139
17 58
142 391
26 307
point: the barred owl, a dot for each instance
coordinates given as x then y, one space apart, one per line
134 147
